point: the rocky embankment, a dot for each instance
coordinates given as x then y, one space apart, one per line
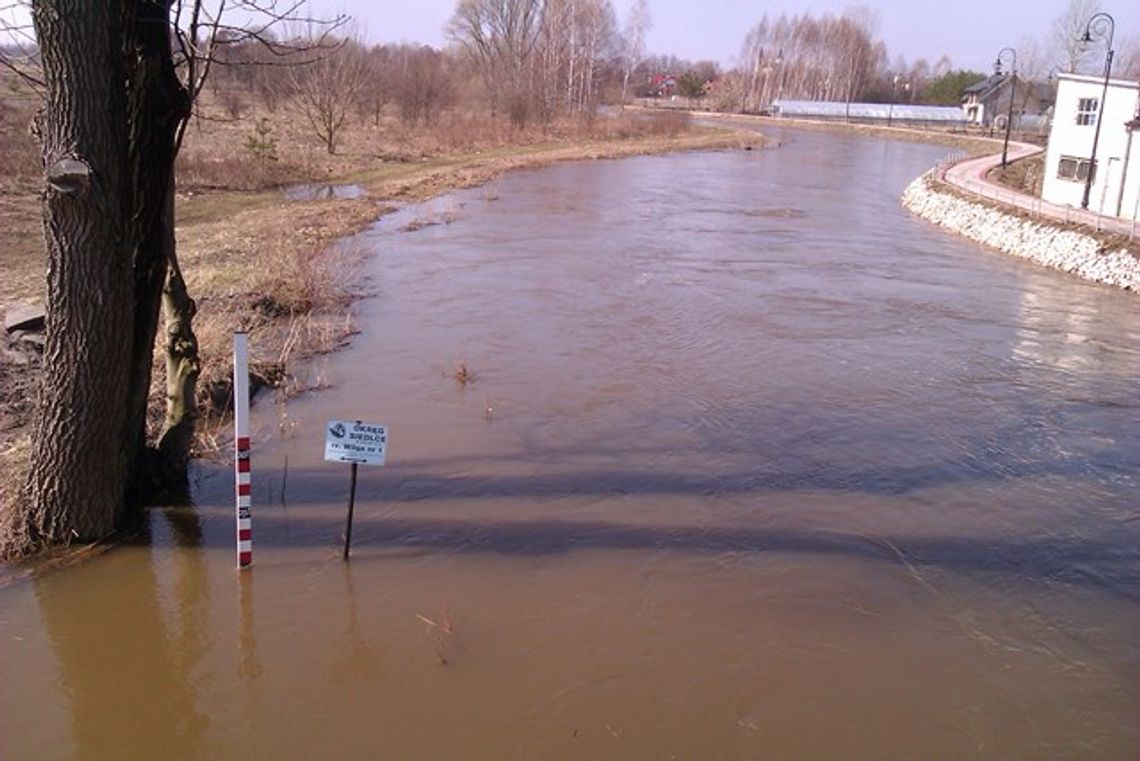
1051 244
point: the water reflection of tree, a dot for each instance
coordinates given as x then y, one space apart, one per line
128 675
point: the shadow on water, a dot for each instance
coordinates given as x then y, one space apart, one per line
1108 565
1074 479
413 481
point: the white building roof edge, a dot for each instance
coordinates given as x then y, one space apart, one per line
1099 80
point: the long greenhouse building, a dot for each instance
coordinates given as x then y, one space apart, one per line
901 114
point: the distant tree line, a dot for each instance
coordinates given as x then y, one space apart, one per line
841 58
536 59
349 79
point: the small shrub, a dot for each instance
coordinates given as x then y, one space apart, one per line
669 123
464 375
262 144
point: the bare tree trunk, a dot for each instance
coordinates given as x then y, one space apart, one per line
182 369
81 454
159 103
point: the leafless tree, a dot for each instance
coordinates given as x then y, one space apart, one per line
593 39
377 88
826 58
1128 55
1069 50
421 82
500 39
637 24
856 34
942 67
578 38
325 89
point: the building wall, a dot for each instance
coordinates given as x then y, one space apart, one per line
994 107
975 110
1067 138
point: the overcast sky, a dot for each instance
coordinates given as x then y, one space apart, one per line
971 32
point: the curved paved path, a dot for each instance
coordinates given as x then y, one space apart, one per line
970 176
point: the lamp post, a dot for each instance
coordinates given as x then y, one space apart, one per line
894 97
1103 25
1012 88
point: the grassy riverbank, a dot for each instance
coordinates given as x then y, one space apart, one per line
257 260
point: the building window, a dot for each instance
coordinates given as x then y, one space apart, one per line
1073 168
1086 111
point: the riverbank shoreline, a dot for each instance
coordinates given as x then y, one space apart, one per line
1075 249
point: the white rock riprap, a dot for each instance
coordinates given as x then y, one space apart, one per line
1041 242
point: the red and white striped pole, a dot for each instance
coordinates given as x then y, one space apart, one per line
241 450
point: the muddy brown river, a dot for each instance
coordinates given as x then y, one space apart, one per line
755 465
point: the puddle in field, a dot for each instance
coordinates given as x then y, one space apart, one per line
321 192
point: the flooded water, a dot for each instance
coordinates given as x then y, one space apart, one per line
322 192
754 465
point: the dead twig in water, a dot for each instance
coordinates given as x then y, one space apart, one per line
440 635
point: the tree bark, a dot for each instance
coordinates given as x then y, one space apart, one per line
158 105
81 458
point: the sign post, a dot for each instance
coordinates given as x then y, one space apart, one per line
357 443
241 451
351 504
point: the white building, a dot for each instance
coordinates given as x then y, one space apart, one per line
1115 187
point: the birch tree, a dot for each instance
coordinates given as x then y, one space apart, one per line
1129 57
499 38
829 58
1070 51
637 24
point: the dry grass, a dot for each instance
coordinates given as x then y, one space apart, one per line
15 458
21 239
1024 175
435 217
